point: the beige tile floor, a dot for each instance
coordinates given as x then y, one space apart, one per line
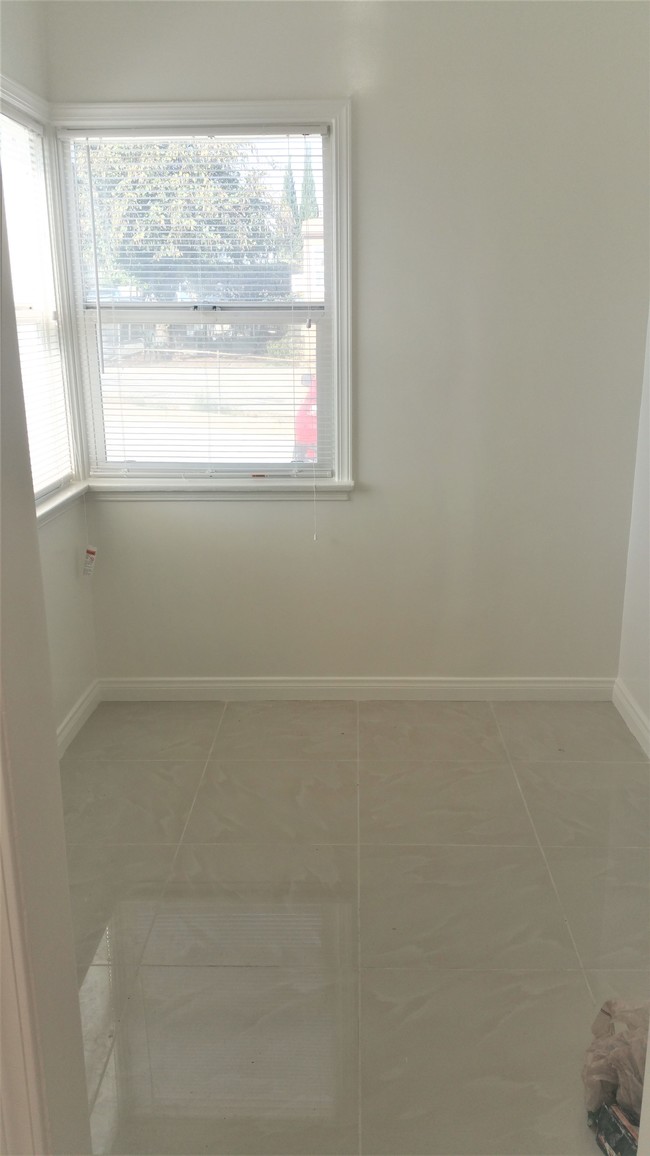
322 928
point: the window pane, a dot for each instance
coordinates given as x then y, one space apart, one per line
223 394
45 407
30 254
172 231
207 220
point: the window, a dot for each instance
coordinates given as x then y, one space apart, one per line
208 267
30 252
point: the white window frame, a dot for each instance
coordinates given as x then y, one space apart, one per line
32 111
71 119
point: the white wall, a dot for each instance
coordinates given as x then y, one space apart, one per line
500 263
69 607
22 44
633 688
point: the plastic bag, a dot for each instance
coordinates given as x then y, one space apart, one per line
615 1061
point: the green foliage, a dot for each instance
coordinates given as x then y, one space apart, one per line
285 348
290 219
289 198
176 213
308 201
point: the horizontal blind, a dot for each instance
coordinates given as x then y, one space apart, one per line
202 274
30 252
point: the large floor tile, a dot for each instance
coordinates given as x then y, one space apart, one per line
441 803
218 977
305 801
588 804
456 731
259 906
460 907
114 891
149 730
605 894
239 1060
118 801
467 1063
288 730
565 731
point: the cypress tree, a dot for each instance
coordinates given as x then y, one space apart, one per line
289 197
291 216
308 202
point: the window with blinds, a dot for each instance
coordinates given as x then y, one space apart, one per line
30 253
204 274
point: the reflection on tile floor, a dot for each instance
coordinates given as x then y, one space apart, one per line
321 928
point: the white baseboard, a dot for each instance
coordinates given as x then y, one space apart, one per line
631 713
229 689
75 718
460 689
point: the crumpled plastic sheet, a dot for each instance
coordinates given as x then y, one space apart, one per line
615 1061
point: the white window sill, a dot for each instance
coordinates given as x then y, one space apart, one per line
238 490
157 490
48 508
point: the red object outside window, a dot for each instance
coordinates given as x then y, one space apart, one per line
306 424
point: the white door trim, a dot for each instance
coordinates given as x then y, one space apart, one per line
44 1101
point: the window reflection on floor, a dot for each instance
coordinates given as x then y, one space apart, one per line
204 1036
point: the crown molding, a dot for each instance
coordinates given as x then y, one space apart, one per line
23 101
183 114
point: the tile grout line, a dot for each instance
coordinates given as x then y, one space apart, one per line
375 846
401 968
92 758
201 781
620 764
147 1039
179 844
432 969
543 854
157 906
359 1073
100 1081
